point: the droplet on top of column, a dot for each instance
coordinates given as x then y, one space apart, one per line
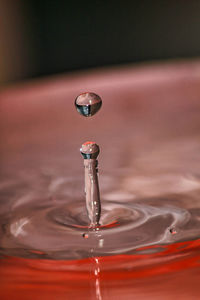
90 150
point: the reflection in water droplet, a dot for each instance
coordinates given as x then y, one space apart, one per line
85 235
88 104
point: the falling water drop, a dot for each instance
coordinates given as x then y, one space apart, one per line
88 104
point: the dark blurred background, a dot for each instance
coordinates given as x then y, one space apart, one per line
39 38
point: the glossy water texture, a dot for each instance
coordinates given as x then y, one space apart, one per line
148 242
88 104
90 151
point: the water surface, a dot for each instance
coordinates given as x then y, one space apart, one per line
148 244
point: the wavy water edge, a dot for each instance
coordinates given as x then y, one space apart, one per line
55 227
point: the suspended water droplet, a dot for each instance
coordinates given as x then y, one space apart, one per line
172 230
85 235
88 104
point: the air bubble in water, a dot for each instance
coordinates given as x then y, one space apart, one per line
88 104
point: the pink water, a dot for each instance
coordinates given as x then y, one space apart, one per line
148 245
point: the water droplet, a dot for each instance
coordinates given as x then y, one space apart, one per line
88 104
85 235
173 230
90 150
